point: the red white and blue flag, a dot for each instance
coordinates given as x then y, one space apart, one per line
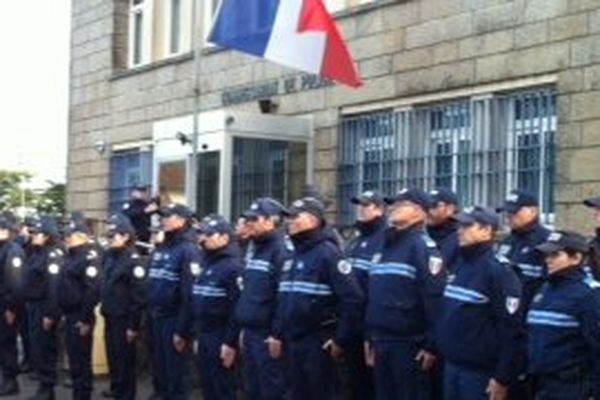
297 33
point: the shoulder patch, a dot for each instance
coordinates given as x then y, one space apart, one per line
195 268
139 272
91 271
435 265
344 267
17 262
512 304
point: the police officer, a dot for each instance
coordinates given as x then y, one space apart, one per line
169 283
255 311
319 304
594 251
214 294
526 232
11 265
139 210
442 228
564 324
405 284
78 293
39 283
123 299
480 329
371 224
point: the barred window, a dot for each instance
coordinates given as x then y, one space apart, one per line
127 170
481 148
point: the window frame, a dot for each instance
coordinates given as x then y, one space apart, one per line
144 8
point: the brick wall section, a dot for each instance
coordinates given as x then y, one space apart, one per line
404 48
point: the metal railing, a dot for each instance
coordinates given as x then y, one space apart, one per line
479 147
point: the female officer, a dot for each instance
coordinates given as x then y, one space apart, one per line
564 324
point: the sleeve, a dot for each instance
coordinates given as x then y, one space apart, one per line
15 265
137 292
233 294
432 276
280 258
91 286
590 325
508 312
349 296
54 267
183 320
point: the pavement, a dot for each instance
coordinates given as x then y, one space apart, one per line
29 386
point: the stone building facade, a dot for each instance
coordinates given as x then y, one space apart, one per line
446 81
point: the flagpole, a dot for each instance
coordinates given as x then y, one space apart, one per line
197 41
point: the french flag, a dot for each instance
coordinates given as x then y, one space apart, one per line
297 33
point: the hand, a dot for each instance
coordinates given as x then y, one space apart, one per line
227 355
131 335
275 347
10 317
333 349
179 343
84 329
369 355
496 391
47 324
426 360
150 208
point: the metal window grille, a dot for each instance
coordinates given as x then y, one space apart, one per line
127 169
479 147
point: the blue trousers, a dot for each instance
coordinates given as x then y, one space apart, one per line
397 374
44 347
312 370
264 376
79 351
167 363
464 384
551 388
360 376
218 382
121 358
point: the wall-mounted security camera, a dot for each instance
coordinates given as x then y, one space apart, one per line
229 120
204 146
183 138
100 146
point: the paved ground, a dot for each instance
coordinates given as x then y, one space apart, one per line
29 386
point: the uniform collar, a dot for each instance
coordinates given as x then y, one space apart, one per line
477 250
304 241
230 251
566 275
443 230
392 233
177 236
530 229
267 238
370 227
83 248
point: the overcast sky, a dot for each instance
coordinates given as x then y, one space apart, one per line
34 74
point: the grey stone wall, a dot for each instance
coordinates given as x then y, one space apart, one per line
403 47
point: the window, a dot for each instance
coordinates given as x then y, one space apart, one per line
175 31
479 147
208 12
127 170
159 29
140 34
